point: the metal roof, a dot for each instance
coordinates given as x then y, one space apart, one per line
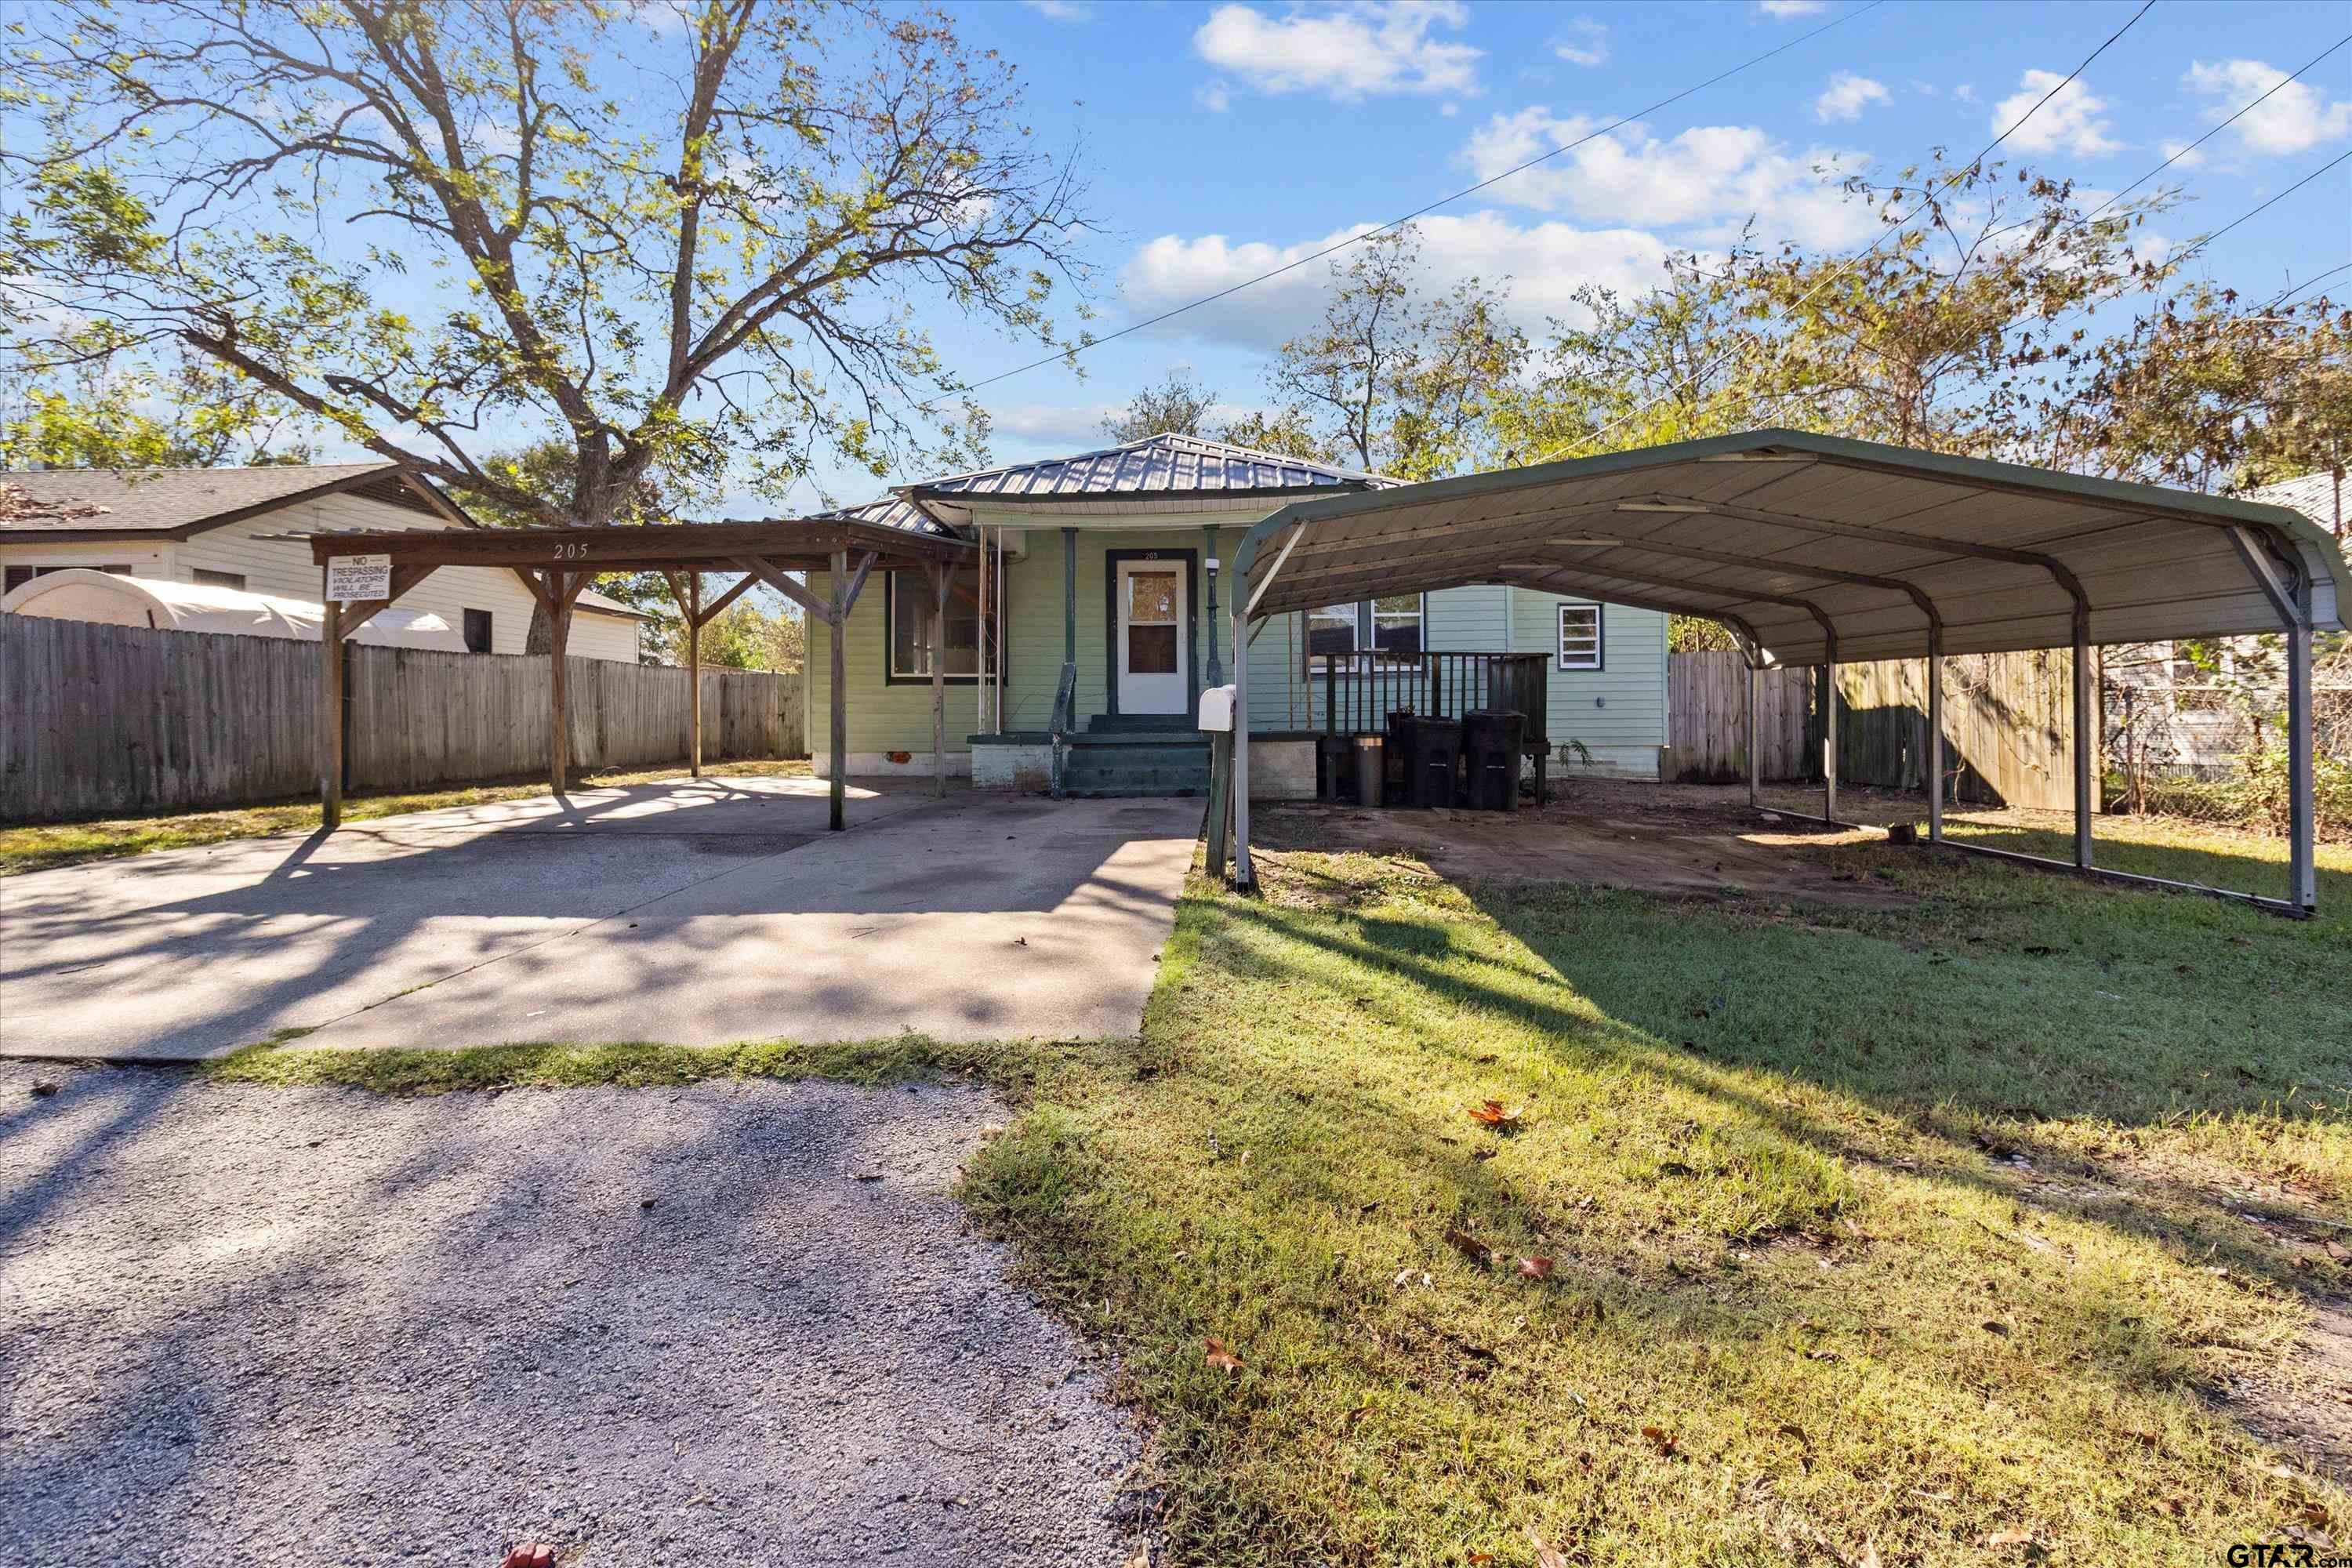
1159 467
185 500
894 511
2319 496
1799 540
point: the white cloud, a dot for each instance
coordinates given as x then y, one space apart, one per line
1069 426
1711 176
1214 96
2184 158
1366 47
1587 43
1544 263
1847 96
2294 119
1062 10
2071 120
1787 8
1966 92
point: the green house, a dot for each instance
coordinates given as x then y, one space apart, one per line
1106 565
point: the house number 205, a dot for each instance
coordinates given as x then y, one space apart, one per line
572 552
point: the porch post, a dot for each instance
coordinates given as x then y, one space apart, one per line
1936 734
1070 605
837 665
1209 555
942 576
331 709
1244 874
694 673
2303 881
558 639
2085 725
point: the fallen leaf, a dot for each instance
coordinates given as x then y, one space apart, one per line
1868 1557
2337 1254
1535 1268
1661 1439
1546 1554
1479 1557
2000 1539
1219 1357
1493 1114
528 1554
1995 1326
1469 1247
1142 1558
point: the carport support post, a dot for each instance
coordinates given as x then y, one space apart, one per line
1755 763
331 709
1244 874
1829 736
837 665
2303 881
694 673
1936 734
2086 724
559 686
942 576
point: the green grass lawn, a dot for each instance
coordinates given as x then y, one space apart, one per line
49 845
1964 1232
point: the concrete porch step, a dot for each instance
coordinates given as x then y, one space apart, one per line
1130 723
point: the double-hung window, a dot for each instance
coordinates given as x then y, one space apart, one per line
1345 639
908 610
1580 637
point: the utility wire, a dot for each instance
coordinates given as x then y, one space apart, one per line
1889 233
1433 206
2304 286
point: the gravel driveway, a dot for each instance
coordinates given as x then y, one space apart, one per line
736 1321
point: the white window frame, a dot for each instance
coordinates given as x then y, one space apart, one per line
1600 660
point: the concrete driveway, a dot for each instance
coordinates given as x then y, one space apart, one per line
682 912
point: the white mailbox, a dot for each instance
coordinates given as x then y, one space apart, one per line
1217 709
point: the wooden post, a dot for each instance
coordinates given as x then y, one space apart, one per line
837 663
331 709
2302 875
694 673
2084 726
559 639
942 578
1755 753
1829 737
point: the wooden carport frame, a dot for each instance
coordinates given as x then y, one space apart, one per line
558 563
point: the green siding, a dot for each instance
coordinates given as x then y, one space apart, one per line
1618 711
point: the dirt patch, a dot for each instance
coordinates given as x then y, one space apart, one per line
1687 842
2306 1407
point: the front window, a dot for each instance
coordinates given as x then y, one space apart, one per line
1365 635
910 607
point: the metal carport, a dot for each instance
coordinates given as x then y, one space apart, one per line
1814 550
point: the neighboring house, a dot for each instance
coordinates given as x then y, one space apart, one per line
1146 525
213 526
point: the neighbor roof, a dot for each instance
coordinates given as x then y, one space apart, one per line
1800 541
2319 496
181 501
1163 466
78 504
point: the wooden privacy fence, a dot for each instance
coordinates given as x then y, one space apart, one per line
2009 730
103 718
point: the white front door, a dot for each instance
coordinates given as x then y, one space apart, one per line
1151 652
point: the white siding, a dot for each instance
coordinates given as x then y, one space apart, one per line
284 567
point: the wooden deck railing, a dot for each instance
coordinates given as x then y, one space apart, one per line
1358 695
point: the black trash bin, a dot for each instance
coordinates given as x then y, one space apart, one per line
1491 742
1437 749
1396 758
1335 757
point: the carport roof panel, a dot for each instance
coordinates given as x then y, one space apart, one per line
1771 529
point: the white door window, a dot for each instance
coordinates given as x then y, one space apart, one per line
1151 648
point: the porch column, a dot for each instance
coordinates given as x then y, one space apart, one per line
331 709
2085 725
1936 734
1209 555
1070 607
942 579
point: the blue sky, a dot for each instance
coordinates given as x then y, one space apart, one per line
1222 138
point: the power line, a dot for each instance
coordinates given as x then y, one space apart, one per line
2304 286
1884 235
1425 211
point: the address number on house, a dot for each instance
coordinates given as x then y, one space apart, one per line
350 578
